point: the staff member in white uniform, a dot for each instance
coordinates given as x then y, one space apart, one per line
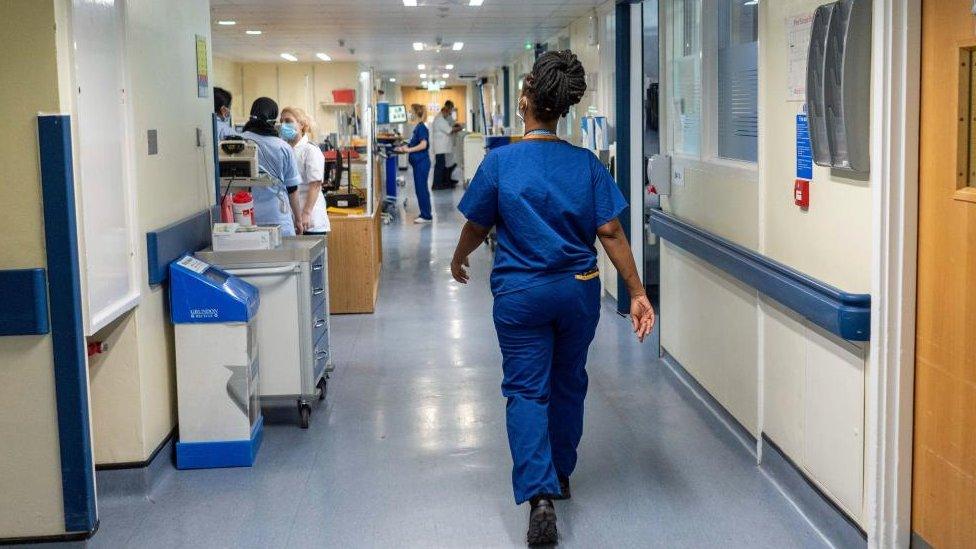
277 204
296 129
443 128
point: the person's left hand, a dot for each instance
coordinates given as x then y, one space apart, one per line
306 220
459 270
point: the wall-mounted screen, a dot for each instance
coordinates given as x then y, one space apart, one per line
398 114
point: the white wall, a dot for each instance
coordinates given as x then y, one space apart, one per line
133 397
775 372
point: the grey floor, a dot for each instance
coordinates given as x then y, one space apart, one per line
409 449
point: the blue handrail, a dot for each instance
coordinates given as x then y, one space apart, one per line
845 314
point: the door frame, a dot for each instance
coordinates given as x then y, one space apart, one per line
889 406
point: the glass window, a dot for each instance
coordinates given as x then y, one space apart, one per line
738 80
686 76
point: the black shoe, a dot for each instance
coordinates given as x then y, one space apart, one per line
563 489
542 522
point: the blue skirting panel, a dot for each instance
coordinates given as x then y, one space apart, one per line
223 453
67 331
166 245
23 293
844 314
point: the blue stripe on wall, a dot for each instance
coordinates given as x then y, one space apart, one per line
67 332
622 95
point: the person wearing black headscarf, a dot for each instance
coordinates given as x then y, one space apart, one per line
278 204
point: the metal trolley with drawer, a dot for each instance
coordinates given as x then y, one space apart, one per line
293 320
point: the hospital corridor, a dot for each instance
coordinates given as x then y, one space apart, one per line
488 274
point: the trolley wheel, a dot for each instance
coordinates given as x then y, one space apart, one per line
304 412
322 386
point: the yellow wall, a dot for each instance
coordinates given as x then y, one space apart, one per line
30 470
133 385
305 85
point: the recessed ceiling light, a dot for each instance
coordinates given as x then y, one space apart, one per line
323 56
457 46
410 3
476 2
227 23
423 75
252 32
445 75
288 57
449 67
393 80
442 83
418 46
421 66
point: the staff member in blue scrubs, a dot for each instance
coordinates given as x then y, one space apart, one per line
278 204
549 201
419 158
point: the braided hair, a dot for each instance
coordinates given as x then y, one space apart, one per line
556 83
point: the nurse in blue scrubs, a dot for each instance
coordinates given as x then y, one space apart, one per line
549 202
278 204
419 158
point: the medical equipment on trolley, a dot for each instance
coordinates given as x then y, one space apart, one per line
293 324
217 368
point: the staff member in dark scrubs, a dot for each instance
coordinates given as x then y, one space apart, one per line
419 158
549 202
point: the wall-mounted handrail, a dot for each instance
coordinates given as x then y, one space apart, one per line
845 314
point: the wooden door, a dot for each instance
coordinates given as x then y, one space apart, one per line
944 491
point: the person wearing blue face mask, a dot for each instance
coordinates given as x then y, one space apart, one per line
279 203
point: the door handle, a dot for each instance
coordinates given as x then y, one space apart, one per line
319 323
317 292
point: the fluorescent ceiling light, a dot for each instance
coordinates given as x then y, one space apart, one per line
393 80
457 46
449 67
476 2
253 32
423 75
410 3
418 46
227 23
288 57
323 56
445 75
421 66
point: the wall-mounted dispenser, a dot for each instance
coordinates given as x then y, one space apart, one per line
839 85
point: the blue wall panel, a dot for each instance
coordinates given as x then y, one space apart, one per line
23 295
186 236
67 330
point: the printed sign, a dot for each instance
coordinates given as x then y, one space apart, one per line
203 78
798 30
804 151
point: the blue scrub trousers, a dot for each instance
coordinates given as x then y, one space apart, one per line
421 171
544 333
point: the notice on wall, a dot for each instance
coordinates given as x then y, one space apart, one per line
804 151
203 78
798 40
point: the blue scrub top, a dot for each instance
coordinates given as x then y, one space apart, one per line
547 199
420 133
271 205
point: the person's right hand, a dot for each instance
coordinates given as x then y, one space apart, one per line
641 316
458 270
